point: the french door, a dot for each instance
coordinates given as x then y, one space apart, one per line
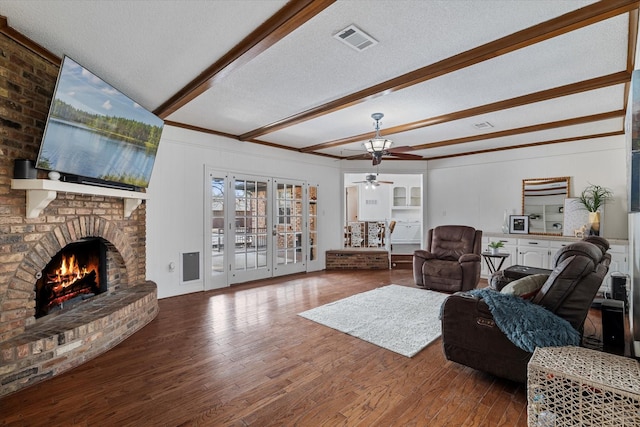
251 252
289 227
216 264
259 228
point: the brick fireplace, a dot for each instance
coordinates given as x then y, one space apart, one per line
31 349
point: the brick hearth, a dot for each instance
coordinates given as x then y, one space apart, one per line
32 350
357 259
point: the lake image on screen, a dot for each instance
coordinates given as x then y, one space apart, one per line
83 152
94 130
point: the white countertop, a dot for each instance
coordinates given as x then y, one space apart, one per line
548 237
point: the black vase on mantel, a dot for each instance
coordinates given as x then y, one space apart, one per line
24 169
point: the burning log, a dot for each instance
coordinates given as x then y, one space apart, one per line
84 285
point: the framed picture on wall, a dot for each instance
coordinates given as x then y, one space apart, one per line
519 224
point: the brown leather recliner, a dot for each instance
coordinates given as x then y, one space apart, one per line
471 337
451 261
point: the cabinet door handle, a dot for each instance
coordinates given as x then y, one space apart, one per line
533 243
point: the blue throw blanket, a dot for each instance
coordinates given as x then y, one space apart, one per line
527 325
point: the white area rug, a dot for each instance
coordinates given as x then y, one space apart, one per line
398 318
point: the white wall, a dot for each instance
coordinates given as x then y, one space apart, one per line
475 190
175 210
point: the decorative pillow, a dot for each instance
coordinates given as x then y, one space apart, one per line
526 287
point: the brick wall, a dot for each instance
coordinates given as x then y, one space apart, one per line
27 81
357 259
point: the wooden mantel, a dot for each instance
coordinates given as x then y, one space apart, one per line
41 192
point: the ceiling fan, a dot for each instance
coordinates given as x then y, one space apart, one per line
379 146
372 180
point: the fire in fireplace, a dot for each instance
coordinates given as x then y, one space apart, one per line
74 274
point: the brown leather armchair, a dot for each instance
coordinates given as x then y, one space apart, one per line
451 261
471 337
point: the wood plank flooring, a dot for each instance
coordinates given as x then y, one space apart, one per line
242 357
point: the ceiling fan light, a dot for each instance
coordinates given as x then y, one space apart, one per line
377 145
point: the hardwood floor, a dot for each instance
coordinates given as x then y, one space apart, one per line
242 357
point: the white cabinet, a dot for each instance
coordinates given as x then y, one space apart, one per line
399 197
406 197
619 265
415 197
533 253
407 233
619 259
538 251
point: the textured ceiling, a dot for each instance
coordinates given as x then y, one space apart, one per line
271 72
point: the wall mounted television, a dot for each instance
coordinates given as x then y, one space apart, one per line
97 135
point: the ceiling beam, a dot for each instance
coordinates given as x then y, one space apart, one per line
293 15
525 129
568 22
544 95
631 51
235 137
531 144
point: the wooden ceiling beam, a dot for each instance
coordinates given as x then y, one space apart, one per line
531 144
231 136
293 15
525 129
544 95
568 22
631 51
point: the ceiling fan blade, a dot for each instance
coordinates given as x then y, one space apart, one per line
401 149
406 156
362 156
385 182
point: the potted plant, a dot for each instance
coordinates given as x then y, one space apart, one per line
592 198
494 247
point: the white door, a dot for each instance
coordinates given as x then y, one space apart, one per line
351 203
250 229
289 227
216 265
260 227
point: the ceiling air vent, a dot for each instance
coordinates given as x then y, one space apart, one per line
355 38
483 125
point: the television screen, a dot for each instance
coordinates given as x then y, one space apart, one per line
95 131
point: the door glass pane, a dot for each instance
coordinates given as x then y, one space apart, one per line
313 218
289 223
250 224
217 225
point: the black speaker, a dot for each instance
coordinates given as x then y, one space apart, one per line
613 326
24 169
619 288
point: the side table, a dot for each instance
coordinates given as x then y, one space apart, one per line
489 257
576 386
